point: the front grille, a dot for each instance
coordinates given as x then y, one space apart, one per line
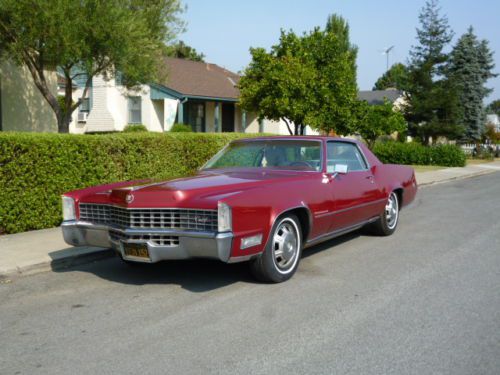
164 218
156 239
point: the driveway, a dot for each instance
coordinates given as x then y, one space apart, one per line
425 300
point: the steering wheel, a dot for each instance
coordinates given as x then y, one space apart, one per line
301 164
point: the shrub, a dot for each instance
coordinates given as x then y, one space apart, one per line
35 169
181 128
415 153
135 128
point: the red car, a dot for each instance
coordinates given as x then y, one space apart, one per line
261 200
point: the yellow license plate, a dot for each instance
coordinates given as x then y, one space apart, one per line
139 250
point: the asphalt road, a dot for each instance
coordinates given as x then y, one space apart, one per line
423 301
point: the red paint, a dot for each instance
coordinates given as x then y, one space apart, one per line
258 196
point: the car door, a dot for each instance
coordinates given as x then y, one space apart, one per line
355 193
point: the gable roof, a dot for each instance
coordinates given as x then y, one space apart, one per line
199 79
378 96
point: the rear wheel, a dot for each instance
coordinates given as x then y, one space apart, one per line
281 257
388 220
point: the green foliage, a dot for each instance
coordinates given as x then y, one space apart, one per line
374 121
35 169
470 67
181 128
135 128
395 78
433 103
305 80
417 154
182 51
494 107
83 38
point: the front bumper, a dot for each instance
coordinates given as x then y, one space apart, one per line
190 244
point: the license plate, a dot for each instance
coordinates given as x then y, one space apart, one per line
139 250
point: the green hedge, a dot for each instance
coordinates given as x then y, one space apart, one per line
35 169
415 153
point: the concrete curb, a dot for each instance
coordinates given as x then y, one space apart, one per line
57 264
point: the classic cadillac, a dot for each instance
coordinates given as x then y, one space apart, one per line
261 200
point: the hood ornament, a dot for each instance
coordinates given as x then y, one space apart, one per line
129 198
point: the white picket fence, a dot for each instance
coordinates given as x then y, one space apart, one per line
469 148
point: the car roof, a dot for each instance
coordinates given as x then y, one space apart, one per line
298 137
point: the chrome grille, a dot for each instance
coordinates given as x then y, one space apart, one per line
165 218
156 239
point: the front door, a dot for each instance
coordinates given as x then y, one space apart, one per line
355 193
227 117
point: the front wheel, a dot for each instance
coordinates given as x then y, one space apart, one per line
388 220
281 257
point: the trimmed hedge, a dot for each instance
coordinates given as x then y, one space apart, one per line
35 169
417 154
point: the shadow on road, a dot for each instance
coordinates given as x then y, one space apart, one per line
196 275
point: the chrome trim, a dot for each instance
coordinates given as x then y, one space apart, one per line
352 208
140 217
189 244
339 232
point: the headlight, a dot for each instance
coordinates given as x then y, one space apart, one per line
68 205
224 217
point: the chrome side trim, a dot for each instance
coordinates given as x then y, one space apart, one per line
350 208
339 232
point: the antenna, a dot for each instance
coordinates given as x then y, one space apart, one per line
386 53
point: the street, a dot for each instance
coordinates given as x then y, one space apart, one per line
423 301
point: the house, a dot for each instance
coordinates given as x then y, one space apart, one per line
493 120
202 95
377 97
22 106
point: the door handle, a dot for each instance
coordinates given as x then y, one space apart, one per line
370 178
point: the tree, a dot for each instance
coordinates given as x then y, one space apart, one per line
395 78
374 121
183 51
433 106
470 66
84 38
304 80
494 107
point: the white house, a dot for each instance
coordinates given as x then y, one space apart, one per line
201 95
493 120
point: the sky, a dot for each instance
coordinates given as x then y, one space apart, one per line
224 30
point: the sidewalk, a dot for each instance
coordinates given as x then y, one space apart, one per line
44 250
449 174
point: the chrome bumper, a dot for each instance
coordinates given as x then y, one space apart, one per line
191 244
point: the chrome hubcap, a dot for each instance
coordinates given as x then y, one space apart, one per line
285 245
392 211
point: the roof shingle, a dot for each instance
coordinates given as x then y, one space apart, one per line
193 78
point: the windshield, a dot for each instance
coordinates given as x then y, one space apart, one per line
276 154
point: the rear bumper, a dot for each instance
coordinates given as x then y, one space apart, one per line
190 244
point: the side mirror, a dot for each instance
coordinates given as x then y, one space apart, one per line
340 169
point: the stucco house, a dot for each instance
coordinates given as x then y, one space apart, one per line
22 106
201 95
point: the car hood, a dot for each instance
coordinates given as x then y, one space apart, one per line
201 191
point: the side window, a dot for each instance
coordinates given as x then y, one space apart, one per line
134 110
344 153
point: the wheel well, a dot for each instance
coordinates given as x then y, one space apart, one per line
302 214
399 194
